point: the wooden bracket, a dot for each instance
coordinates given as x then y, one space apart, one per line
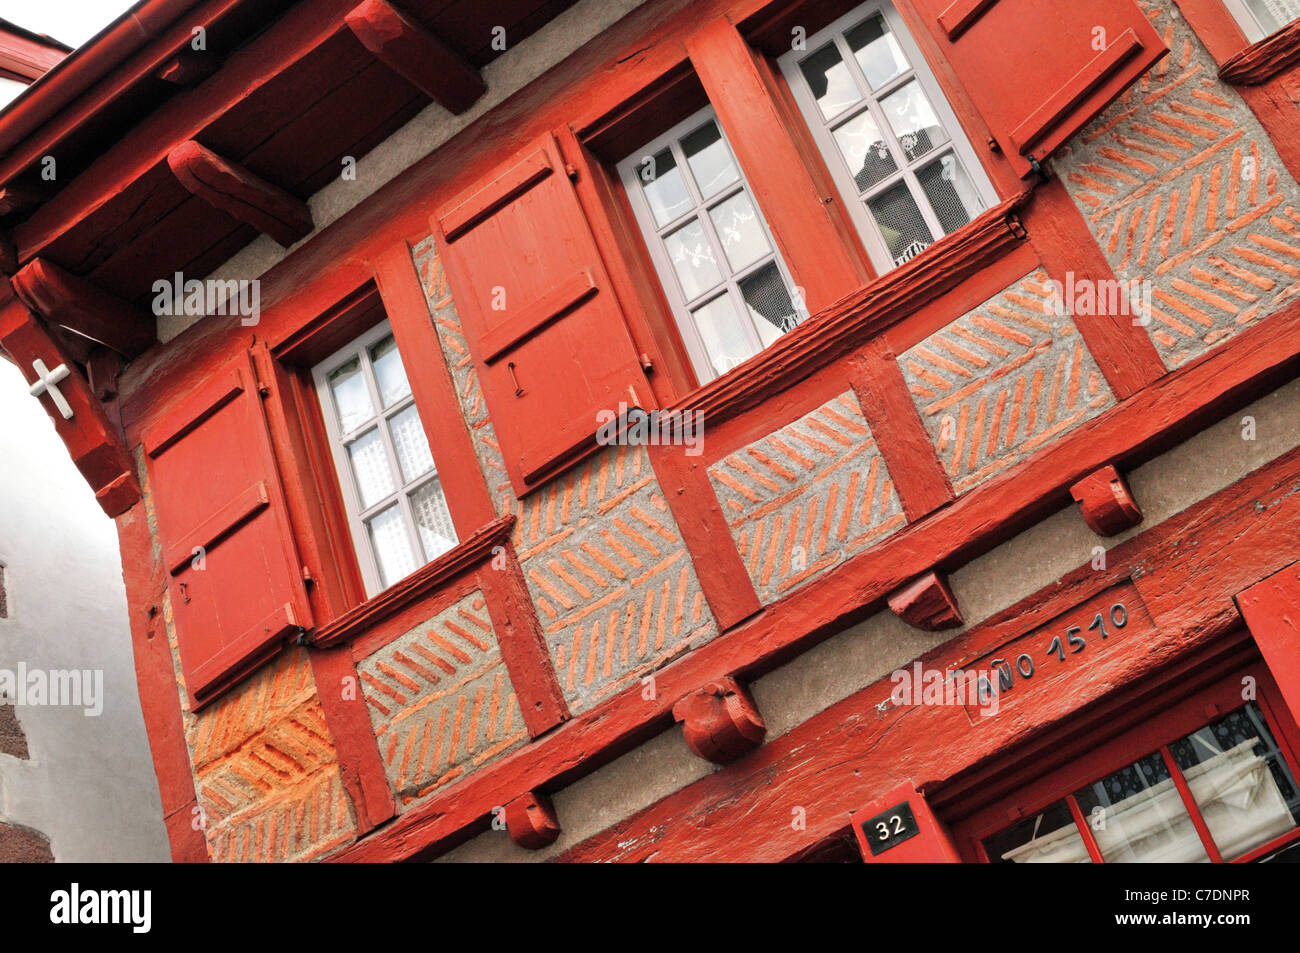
416 54
720 721
531 822
18 198
926 603
70 302
1106 502
230 187
188 68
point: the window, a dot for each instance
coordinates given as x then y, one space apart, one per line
1262 18
1225 791
394 500
892 143
716 259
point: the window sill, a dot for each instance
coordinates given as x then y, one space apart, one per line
1263 61
846 325
465 556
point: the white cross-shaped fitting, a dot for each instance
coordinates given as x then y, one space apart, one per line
48 384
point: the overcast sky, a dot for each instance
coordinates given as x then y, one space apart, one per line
70 21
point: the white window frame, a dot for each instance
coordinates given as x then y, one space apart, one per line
362 544
905 171
1249 22
629 171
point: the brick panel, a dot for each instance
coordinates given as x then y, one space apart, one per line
441 701
1180 184
806 497
999 382
613 583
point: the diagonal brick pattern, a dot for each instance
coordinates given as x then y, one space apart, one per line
441 701
1180 185
611 578
807 497
266 771
998 383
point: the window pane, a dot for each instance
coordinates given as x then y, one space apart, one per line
710 160
769 303
913 120
389 373
1051 837
1137 816
829 80
740 231
664 188
1244 788
951 194
370 465
392 545
437 535
877 51
724 337
351 397
692 258
864 150
1274 14
901 224
412 446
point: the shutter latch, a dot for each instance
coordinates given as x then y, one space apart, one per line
1037 166
519 391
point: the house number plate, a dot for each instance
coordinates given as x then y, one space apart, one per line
890 828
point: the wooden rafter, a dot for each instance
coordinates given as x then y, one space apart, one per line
418 55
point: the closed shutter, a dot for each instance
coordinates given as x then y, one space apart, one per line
1039 70
233 570
547 334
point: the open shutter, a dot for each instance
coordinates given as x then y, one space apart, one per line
545 329
1039 70
233 570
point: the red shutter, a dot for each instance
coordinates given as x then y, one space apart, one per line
1039 70
216 490
544 326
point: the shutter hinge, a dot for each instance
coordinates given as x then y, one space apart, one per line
1038 168
307 577
646 364
1017 227
571 172
264 390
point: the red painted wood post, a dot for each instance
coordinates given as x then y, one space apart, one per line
900 828
1272 612
820 249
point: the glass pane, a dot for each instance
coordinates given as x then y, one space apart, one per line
740 231
1243 786
1137 816
710 160
913 120
1051 837
769 303
351 397
370 465
664 188
877 51
437 535
1274 14
951 194
864 150
900 222
829 80
412 445
692 258
724 337
392 546
389 373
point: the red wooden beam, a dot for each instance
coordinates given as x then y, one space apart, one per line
1272 612
74 303
416 54
233 189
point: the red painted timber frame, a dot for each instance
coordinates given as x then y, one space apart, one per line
372 242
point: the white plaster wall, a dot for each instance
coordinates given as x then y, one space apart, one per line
89 785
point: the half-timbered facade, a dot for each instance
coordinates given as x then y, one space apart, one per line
687 429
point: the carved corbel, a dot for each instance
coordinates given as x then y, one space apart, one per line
720 721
